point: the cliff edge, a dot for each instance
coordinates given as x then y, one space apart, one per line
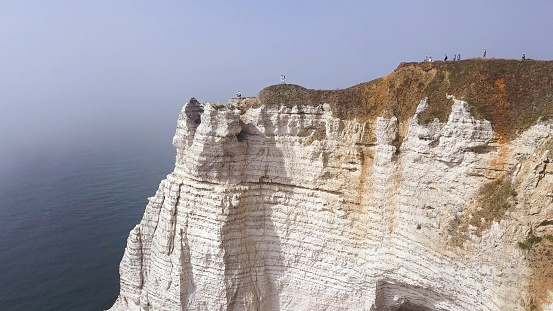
427 189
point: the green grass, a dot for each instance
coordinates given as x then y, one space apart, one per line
533 239
523 245
495 200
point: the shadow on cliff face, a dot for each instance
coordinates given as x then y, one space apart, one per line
397 296
253 256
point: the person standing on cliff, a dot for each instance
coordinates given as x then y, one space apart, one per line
239 95
523 56
454 57
484 56
282 78
445 58
459 56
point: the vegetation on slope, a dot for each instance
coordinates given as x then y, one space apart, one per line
512 94
540 250
495 199
492 202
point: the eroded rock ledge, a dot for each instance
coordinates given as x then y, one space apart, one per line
289 207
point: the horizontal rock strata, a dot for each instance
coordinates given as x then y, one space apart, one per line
292 208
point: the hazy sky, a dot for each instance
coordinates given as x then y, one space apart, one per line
74 72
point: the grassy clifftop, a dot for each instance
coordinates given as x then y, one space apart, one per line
512 94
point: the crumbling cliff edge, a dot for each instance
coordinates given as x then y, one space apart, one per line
428 189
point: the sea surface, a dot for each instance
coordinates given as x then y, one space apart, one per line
64 220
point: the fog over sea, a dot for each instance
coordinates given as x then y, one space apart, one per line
66 210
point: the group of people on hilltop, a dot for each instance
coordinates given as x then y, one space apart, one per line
458 57
455 57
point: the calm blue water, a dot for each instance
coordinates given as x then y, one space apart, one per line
64 220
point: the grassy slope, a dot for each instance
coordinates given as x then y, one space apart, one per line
511 94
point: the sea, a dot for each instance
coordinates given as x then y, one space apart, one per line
65 216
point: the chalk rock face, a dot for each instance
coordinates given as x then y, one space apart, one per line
292 208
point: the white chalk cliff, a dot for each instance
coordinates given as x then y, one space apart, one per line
293 208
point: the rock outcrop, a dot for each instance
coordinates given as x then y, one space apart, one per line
297 206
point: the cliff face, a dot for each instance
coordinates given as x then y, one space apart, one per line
297 201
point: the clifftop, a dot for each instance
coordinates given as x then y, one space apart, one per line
511 94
